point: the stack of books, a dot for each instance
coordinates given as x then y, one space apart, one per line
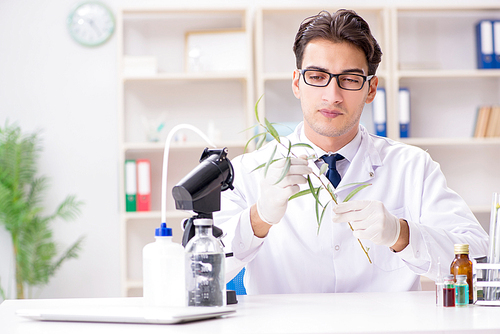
487 122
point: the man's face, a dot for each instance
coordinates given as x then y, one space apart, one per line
331 111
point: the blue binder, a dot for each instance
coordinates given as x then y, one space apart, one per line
484 41
496 43
404 112
379 111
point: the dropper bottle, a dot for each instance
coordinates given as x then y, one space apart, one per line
163 270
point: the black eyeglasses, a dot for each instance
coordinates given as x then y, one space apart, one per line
319 78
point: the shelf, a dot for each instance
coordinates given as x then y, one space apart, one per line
171 214
449 74
160 146
480 208
198 76
450 141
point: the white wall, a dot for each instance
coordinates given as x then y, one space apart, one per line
49 82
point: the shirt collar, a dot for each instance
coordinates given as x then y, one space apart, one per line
348 151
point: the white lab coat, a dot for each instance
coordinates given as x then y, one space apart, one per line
295 258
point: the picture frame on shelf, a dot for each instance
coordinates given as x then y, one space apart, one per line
216 51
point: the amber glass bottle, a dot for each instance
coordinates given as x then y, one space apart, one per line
461 265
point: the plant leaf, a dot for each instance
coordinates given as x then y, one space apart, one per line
302 193
264 165
272 131
323 169
355 191
288 162
270 161
253 138
261 141
302 145
256 108
321 217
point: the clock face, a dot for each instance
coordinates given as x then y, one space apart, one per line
91 23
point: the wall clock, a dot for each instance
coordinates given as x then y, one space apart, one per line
91 23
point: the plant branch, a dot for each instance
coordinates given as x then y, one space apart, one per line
269 129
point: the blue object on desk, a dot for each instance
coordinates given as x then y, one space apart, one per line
237 284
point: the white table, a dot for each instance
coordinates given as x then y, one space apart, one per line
408 312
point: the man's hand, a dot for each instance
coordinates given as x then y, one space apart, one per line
370 220
273 197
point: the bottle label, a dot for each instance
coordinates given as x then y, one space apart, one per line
205 281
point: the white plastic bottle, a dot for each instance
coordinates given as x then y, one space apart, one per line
163 271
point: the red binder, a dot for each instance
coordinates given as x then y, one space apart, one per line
143 185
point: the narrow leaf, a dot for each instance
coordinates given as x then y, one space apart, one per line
302 193
272 131
313 190
261 141
323 169
251 139
355 191
288 162
270 161
302 145
264 165
256 108
321 217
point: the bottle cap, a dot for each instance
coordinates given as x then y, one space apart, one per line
203 222
449 277
461 277
461 249
163 231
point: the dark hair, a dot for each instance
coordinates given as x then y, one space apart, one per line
343 26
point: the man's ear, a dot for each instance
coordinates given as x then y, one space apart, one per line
372 90
295 83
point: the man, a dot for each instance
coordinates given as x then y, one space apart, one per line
407 219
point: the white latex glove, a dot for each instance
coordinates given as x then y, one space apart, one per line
370 220
273 197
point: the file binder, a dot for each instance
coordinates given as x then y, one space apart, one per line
484 41
379 113
404 112
496 43
130 185
143 185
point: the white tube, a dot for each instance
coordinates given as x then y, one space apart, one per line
165 163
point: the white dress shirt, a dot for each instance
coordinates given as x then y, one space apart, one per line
298 257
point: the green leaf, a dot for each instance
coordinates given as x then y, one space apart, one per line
264 165
355 191
321 217
313 190
318 204
251 139
256 108
261 141
323 169
272 131
270 161
302 193
302 145
288 163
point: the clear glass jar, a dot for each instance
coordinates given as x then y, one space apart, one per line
205 260
461 291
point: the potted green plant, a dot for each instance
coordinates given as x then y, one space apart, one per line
22 215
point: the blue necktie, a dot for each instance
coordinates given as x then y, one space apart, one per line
332 174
